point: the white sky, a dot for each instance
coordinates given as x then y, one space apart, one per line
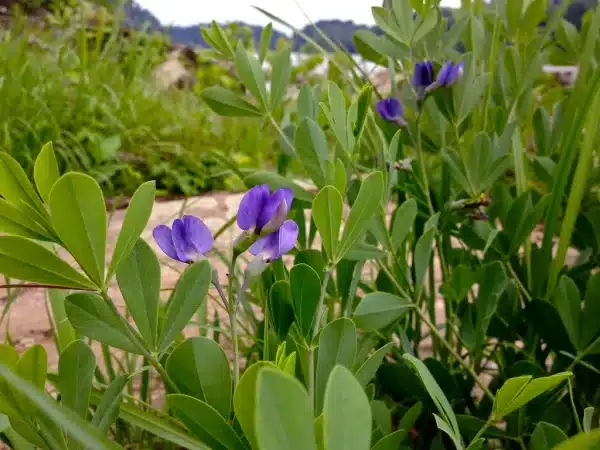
191 12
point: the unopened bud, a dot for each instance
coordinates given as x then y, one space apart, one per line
243 242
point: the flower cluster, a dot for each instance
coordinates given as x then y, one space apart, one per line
423 81
263 217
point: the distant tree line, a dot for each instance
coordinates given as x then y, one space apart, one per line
338 31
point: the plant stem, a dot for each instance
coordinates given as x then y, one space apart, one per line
311 348
577 421
234 344
456 356
135 340
523 289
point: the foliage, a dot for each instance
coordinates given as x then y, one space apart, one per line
438 308
92 92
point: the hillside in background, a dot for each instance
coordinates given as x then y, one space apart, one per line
339 31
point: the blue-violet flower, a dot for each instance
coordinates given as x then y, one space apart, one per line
390 109
450 73
188 241
262 211
423 76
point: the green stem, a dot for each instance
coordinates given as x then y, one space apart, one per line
311 347
235 350
482 430
512 272
136 341
577 421
456 356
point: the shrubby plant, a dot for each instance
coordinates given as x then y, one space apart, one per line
446 325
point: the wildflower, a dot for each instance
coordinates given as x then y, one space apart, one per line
423 76
450 73
390 109
273 246
188 241
262 211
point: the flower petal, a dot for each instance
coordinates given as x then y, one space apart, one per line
164 238
251 206
390 109
179 242
274 210
260 244
197 234
288 196
287 235
445 73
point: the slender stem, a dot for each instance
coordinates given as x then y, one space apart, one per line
135 340
456 356
482 430
523 289
280 131
311 347
43 286
234 344
577 421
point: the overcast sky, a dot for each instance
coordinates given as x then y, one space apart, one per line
191 12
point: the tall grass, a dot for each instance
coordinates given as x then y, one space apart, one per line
93 94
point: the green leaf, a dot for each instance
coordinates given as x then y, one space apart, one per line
423 253
369 368
281 309
306 290
491 286
92 317
251 74
276 181
581 441
79 218
20 223
77 428
227 103
517 392
190 293
426 26
157 424
447 422
362 252
15 186
76 367
138 277
110 404
327 214
311 147
392 441
26 260
403 221
64 330
200 368
137 216
546 436
589 326
347 413
280 80
364 208
379 309
567 300
265 41
341 178
205 422
337 345
45 170
245 401
362 109
283 413
32 367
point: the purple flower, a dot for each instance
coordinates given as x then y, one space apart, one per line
450 73
188 241
262 211
390 109
423 76
275 245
